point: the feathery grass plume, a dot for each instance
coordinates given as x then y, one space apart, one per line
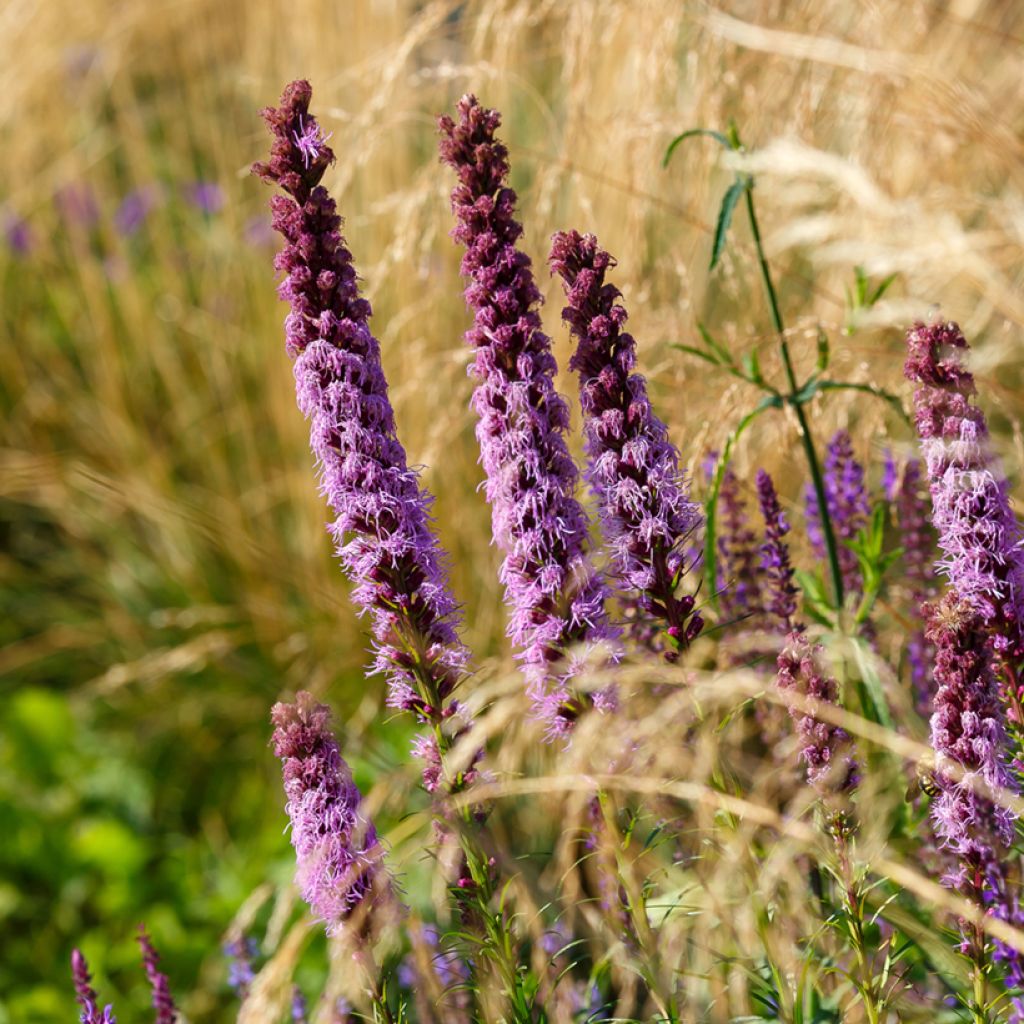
826 751
978 535
85 994
738 553
339 858
163 1001
780 591
557 599
382 528
968 731
913 510
848 507
633 469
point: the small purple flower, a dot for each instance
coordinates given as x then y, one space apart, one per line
738 553
776 567
557 599
18 234
309 140
826 751
206 196
339 859
133 210
978 535
633 469
241 952
85 994
847 503
163 1002
77 205
300 1010
382 529
890 475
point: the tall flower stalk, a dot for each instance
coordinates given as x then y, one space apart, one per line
382 528
85 994
556 598
780 590
163 1001
633 469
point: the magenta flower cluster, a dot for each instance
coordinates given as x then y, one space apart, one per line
633 469
337 852
556 598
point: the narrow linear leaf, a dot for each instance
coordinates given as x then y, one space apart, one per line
693 133
700 353
881 289
870 389
725 212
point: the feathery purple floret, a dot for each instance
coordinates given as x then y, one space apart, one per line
978 534
382 527
556 598
847 502
781 593
163 1001
338 856
826 749
738 553
633 469
85 994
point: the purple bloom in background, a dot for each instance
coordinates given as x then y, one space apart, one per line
133 210
85 994
826 751
300 1009
738 553
337 852
77 205
18 234
258 232
382 528
163 1002
241 952
633 469
556 597
206 196
780 591
847 501
890 476
978 534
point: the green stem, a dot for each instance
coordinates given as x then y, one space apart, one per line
817 481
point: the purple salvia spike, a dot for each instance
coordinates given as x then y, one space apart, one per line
85 994
781 593
826 749
241 952
978 535
848 508
633 469
163 1002
300 1009
738 553
382 528
557 600
339 858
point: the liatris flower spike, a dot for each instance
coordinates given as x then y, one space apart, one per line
978 534
339 858
85 994
382 527
780 591
738 554
633 469
557 599
163 1002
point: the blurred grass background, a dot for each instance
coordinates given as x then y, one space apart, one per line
166 574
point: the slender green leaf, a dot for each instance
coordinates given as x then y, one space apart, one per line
870 389
881 289
725 212
693 133
700 353
709 340
824 353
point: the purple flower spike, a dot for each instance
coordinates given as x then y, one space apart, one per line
85 994
206 196
339 859
633 469
738 553
241 952
18 234
163 1002
978 534
848 508
382 528
831 766
775 563
557 599
300 1009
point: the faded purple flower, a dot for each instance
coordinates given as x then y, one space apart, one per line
557 599
163 1002
978 535
382 529
85 994
633 469
826 749
780 591
339 859
206 196
847 503
133 210
300 1010
18 234
739 561
77 205
890 475
241 952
